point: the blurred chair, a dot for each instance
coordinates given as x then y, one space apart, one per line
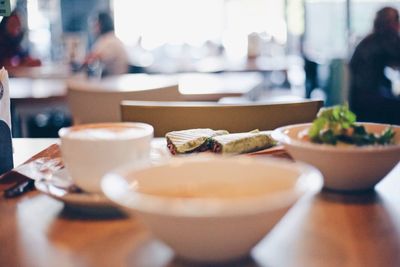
169 116
90 105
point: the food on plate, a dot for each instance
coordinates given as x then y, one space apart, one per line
338 125
238 143
218 141
192 140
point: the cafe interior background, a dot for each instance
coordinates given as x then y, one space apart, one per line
202 36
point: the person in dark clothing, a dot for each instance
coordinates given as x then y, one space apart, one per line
371 96
11 52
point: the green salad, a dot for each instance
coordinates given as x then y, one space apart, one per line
338 124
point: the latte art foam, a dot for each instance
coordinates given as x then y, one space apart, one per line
105 133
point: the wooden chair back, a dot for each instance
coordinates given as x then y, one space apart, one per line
170 116
90 105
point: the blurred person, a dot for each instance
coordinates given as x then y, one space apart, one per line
371 95
108 49
12 54
310 67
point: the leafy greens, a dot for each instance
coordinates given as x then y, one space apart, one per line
338 124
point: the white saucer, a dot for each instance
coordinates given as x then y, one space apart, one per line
57 187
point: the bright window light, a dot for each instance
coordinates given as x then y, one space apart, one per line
176 22
39 30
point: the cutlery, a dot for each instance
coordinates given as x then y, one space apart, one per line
20 188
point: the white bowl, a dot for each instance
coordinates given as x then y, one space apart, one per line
238 201
347 167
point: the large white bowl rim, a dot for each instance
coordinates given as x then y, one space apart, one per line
117 188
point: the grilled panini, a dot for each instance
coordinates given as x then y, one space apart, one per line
239 143
193 140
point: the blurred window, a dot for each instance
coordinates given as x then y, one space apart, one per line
363 14
43 21
330 33
159 22
326 33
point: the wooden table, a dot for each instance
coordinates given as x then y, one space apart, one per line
192 86
223 64
325 229
51 71
213 87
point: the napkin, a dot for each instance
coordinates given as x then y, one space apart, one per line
5 113
19 180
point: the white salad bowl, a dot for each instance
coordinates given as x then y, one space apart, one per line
344 167
210 208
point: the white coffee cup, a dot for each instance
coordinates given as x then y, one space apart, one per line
91 150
